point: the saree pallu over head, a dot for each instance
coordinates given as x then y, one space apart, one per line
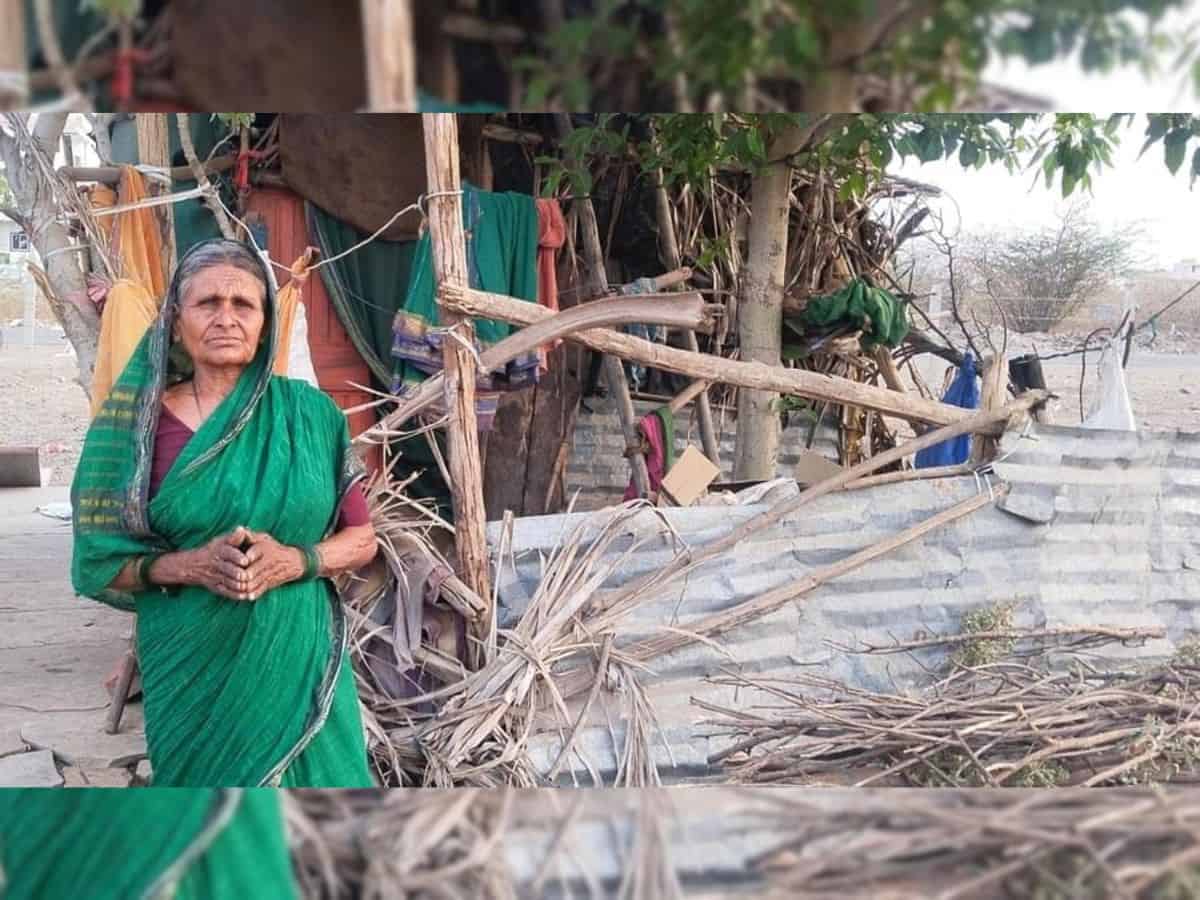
168 844
237 694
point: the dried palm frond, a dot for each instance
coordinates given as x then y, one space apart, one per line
482 728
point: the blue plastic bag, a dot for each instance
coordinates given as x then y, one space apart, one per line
964 392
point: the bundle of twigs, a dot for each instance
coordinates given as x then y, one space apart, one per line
986 845
491 844
1002 724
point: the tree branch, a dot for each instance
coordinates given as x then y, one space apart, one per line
189 151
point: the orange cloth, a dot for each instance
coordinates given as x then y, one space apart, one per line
552 234
134 237
128 313
287 299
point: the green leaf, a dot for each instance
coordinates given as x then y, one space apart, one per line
1068 183
1174 151
1195 166
1049 167
968 155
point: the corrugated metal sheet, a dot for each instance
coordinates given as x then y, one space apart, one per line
1099 528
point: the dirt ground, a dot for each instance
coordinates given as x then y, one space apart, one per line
43 406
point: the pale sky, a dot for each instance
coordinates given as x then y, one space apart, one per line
1132 191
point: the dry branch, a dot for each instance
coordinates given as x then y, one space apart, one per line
678 310
758 376
1009 723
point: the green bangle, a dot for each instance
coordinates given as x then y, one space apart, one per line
143 570
312 562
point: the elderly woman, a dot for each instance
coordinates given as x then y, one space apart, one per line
217 501
196 844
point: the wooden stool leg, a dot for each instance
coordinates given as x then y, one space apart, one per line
121 694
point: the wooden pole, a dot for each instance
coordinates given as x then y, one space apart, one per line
391 55
154 149
450 268
112 174
672 259
14 72
596 285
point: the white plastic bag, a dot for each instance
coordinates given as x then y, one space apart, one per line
1111 409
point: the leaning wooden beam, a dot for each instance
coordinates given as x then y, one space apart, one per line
112 174
579 680
14 72
673 258
933 472
616 603
595 280
391 55
673 310
759 376
749 610
450 269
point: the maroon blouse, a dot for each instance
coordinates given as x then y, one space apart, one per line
173 433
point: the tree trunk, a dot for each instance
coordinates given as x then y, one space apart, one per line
35 191
760 314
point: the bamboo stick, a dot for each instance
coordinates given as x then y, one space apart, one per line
391 55
674 310
450 268
112 174
688 394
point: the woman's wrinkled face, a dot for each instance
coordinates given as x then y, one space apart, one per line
221 317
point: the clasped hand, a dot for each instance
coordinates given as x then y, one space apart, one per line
245 565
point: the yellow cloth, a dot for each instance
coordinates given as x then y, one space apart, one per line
128 312
134 237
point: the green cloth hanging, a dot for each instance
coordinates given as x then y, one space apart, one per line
502 242
144 844
882 318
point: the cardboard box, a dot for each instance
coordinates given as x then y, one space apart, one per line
812 467
689 478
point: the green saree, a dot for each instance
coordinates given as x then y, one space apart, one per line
236 694
194 844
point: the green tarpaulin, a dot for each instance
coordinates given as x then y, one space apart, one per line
367 287
882 318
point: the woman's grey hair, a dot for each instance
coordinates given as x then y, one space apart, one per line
219 253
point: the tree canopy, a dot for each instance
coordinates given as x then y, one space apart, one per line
702 48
